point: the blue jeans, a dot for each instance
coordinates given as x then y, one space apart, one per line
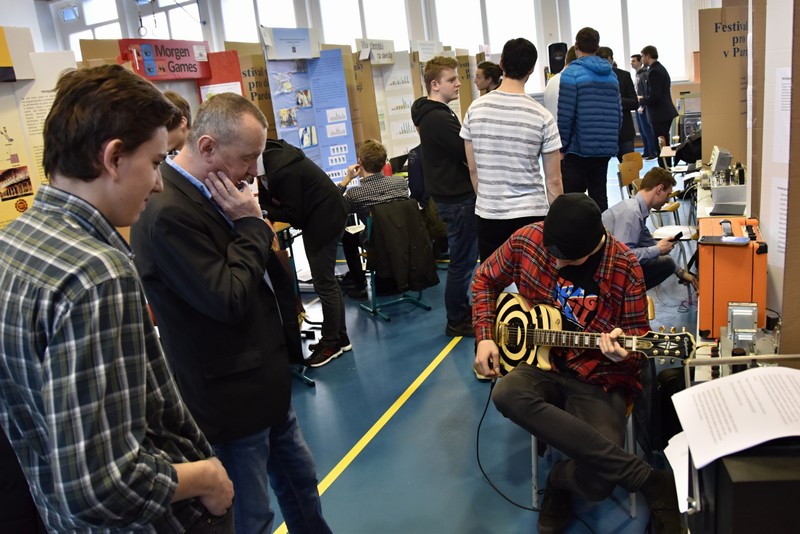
281 456
646 130
462 240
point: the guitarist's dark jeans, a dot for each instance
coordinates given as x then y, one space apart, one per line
581 420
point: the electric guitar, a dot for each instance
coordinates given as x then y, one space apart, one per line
525 333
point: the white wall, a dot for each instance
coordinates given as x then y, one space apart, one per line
775 166
24 14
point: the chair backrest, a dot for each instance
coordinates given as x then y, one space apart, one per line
635 157
628 173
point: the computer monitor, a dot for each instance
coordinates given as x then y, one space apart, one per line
720 159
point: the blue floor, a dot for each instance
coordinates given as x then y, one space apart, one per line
392 425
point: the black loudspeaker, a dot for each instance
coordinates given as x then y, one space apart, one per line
557 52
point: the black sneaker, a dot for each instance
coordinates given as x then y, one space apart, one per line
323 354
344 343
555 513
662 498
357 293
459 329
346 281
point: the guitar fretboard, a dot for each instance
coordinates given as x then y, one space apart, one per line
563 338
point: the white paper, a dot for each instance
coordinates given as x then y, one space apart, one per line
677 453
739 411
782 111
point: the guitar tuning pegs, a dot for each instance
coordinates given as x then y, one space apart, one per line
661 329
683 329
661 361
672 330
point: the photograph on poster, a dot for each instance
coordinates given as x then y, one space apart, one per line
15 183
288 117
308 136
303 98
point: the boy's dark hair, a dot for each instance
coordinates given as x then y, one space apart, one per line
372 155
651 51
655 177
434 68
587 40
605 53
518 58
491 71
638 57
182 105
93 106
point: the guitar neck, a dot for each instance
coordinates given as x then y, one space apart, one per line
574 340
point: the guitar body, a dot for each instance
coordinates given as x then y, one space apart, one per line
515 317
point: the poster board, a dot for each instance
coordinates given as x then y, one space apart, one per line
367 101
395 96
226 75
723 57
312 111
15 46
23 109
350 82
255 81
163 59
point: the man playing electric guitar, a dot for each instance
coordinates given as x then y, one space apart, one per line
579 406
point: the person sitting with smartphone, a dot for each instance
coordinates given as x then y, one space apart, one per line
626 221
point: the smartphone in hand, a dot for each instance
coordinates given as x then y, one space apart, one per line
676 236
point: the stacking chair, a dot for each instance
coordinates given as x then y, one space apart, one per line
630 441
385 258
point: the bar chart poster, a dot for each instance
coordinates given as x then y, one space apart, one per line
309 101
398 131
332 111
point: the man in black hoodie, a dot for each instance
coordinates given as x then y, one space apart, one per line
444 163
295 190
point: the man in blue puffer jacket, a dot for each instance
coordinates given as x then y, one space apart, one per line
589 118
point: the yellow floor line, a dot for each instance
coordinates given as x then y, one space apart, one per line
379 424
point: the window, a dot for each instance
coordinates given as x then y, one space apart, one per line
459 23
184 23
99 11
667 36
523 24
277 13
386 19
239 21
341 21
606 18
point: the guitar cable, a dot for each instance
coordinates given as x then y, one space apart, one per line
492 484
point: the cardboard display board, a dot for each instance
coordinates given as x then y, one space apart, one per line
15 46
254 79
367 103
723 47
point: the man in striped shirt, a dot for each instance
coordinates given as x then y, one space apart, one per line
86 396
505 132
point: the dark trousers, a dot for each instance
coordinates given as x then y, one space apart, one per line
322 263
352 255
580 174
657 270
661 129
492 233
582 421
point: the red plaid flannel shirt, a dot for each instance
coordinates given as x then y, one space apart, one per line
622 301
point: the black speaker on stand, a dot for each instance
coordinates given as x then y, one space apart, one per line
557 53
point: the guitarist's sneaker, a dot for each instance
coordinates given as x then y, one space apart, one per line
463 329
659 490
555 513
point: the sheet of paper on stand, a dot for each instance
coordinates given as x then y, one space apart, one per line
739 411
677 453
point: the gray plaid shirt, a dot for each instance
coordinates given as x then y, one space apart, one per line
86 397
375 189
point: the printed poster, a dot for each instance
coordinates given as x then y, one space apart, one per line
23 109
312 112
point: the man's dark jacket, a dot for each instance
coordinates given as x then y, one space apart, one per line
301 194
444 161
630 102
219 321
658 100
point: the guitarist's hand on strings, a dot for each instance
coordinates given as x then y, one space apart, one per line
610 348
487 359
